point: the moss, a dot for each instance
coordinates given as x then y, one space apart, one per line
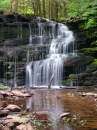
87 83
89 49
94 43
95 62
66 82
91 68
71 75
89 59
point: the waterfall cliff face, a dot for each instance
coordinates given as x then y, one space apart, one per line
37 54
47 71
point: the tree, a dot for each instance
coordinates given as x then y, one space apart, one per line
16 6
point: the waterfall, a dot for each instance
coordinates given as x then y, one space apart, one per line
40 72
41 31
30 35
19 26
15 73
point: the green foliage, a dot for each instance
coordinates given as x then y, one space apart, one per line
71 75
95 62
90 23
74 120
66 82
78 9
89 49
9 73
4 87
94 43
4 4
89 13
37 125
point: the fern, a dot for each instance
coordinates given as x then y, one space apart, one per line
91 23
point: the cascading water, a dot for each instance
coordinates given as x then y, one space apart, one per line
41 72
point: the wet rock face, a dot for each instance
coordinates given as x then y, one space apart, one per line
1 19
15 18
76 61
86 43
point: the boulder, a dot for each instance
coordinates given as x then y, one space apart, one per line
28 91
4 128
1 96
3 104
12 121
13 108
24 127
20 94
5 93
77 60
4 112
1 108
90 94
95 95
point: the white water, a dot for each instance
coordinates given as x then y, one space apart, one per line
41 72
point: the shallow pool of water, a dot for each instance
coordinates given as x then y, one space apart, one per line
56 102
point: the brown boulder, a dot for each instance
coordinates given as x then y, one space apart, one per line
3 104
20 94
4 127
5 93
12 121
16 118
24 127
13 108
1 96
4 112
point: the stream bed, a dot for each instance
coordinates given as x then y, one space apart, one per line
50 104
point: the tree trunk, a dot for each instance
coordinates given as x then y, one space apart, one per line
44 12
16 6
33 4
53 10
11 8
40 14
49 10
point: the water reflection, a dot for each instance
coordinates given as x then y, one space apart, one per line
47 100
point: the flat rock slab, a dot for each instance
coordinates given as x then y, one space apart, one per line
13 108
24 127
20 94
16 118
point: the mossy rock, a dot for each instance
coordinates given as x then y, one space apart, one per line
88 83
89 59
91 68
89 51
94 62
